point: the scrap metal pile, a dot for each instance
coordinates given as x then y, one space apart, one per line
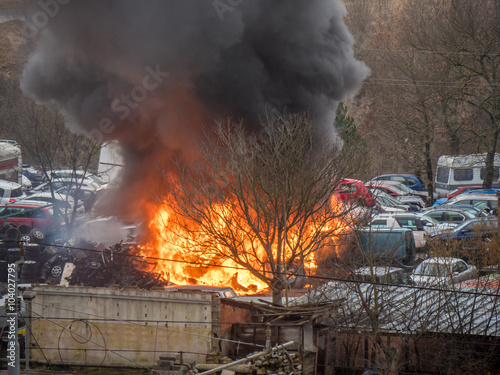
117 265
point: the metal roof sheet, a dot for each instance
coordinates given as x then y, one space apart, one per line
412 309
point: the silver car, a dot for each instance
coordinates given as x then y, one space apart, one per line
488 202
444 271
10 192
421 226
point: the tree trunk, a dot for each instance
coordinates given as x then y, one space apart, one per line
428 171
489 163
277 290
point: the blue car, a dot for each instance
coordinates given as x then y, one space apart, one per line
468 237
439 202
35 176
412 181
482 191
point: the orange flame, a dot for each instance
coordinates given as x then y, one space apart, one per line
181 267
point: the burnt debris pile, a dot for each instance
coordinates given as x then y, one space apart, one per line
117 265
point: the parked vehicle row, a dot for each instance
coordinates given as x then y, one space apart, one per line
421 226
458 230
413 182
441 272
30 214
52 205
399 191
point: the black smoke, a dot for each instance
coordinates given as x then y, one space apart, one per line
150 73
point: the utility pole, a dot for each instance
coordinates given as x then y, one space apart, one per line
28 296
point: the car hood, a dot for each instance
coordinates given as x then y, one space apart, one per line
430 280
394 209
410 199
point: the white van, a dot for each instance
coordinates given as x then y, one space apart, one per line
463 170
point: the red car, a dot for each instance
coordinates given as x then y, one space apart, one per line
33 214
350 189
462 189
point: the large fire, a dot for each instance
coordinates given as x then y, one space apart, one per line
179 265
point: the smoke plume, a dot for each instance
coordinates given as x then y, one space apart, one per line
151 73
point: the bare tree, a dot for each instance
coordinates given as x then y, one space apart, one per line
464 34
46 142
262 200
391 326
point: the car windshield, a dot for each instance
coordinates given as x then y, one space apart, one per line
432 269
386 201
478 225
467 214
391 201
471 210
16 193
46 186
428 220
397 189
404 188
452 213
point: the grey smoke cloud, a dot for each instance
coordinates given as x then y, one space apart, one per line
258 57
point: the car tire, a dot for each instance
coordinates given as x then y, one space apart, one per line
4 228
37 234
56 271
25 238
12 234
24 229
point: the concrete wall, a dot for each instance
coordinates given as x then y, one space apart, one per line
94 326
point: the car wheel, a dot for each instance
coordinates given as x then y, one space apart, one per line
56 271
37 234
25 238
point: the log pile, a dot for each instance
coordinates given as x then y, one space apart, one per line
277 363
260 363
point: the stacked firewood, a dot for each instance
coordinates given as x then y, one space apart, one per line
279 362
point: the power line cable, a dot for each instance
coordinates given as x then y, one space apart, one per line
93 342
117 253
92 316
36 342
